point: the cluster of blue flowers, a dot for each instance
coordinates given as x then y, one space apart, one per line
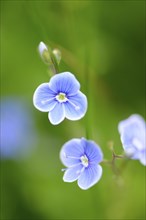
61 98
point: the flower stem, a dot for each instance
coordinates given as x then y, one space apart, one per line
116 170
87 84
54 67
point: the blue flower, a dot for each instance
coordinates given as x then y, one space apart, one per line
133 137
17 128
82 157
61 98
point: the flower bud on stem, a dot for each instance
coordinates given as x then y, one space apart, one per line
49 58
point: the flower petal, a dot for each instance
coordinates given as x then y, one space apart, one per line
44 98
132 131
143 161
72 174
71 152
92 151
64 82
131 152
90 176
42 47
143 158
134 120
76 107
57 115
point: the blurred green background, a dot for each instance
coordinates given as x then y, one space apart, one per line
104 40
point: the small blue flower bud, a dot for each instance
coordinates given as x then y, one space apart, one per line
44 53
57 54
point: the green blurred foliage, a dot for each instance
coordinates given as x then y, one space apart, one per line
101 40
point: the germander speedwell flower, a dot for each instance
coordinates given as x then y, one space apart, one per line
82 157
133 137
61 97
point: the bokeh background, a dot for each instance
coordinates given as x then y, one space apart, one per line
102 43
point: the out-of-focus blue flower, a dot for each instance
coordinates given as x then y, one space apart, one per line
133 137
61 97
17 133
82 157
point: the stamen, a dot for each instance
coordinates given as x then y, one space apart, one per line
75 106
75 165
46 100
64 169
72 157
80 171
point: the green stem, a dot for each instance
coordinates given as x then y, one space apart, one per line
55 67
87 84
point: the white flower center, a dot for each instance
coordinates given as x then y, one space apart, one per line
61 97
84 160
